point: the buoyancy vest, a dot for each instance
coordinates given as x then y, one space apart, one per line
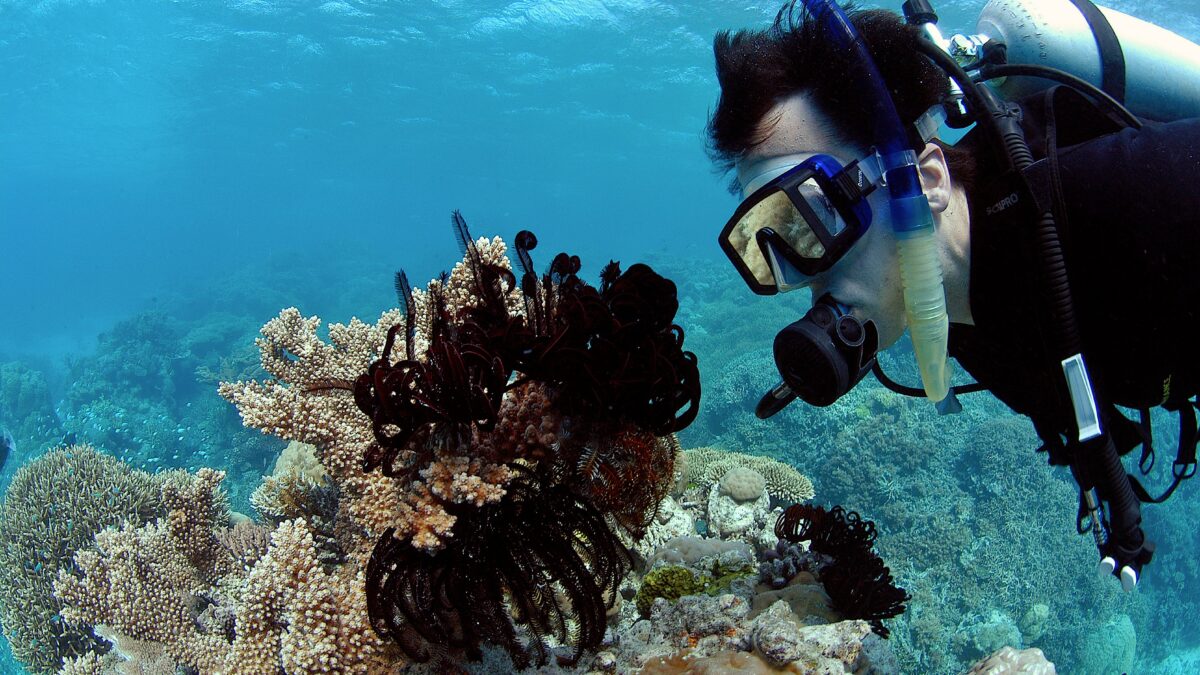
1129 222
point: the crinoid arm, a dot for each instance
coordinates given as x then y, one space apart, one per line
542 555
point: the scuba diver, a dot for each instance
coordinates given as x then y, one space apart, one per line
1052 251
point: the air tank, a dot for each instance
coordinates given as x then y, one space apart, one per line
1162 69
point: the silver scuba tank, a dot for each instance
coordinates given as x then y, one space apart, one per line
1162 69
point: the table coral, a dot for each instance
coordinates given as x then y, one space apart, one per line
709 465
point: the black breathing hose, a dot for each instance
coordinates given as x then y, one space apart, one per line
1108 476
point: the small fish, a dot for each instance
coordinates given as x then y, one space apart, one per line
7 446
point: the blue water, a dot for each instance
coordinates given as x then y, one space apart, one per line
215 161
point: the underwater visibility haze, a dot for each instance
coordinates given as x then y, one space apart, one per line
186 186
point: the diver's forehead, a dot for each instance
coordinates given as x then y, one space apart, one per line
792 130
793 126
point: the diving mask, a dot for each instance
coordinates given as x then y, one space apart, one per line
800 218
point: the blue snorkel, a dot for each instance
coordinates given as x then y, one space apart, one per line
912 220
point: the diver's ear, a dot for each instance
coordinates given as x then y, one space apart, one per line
935 177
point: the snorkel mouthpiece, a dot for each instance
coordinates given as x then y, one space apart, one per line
912 220
820 357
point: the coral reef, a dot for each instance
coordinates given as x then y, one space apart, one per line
144 395
1007 660
712 576
26 408
671 520
781 564
743 484
53 508
780 641
448 425
729 517
669 583
543 555
1111 648
477 470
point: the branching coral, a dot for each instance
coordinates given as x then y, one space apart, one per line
53 508
220 602
299 487
858 583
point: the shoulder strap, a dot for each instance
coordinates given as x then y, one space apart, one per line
1112 58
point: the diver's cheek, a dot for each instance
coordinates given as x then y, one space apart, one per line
889 325
890 331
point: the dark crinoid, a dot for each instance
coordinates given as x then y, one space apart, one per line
613 351
606 368
612 354
858 583
459 384
543 559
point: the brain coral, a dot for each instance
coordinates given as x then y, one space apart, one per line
709 465
55 505
743 483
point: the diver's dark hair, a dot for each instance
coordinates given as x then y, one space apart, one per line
759 68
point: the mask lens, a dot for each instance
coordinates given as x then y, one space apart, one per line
788 229
777 211
822 208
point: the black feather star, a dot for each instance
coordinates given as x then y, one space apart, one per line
859 585
542 559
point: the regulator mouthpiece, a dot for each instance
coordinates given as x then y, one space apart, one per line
821 357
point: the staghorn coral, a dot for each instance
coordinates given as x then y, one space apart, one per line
89 663
148 581
299 487
293 407
301 618
709 465
140 583
195 508
53 508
